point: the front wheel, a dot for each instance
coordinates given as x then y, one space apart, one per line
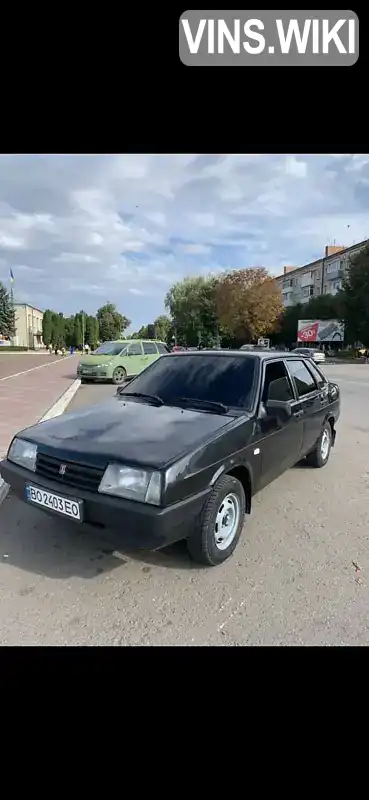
221 523
320 455
119 375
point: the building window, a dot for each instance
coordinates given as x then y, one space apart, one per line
333 267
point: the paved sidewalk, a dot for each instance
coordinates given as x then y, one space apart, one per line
25 398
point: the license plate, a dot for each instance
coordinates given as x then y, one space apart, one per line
54 502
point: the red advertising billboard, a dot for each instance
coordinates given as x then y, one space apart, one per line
318 330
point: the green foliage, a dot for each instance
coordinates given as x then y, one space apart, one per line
162 327
47 326
7 317
13 348
141 334
355 295
92 331
112 324
192 306
77 331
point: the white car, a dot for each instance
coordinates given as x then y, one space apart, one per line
311 352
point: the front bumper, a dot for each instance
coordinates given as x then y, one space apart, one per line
140 525
94 375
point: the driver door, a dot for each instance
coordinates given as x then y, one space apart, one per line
281 436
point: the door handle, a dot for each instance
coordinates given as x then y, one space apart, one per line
298 413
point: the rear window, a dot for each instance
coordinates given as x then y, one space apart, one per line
222 379
162 348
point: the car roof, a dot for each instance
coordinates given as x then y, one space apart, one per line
132 341
262 356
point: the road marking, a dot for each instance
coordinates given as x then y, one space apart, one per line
40 366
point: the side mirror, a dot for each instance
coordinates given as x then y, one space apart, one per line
279 408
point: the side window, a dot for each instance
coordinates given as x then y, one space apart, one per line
277 384
162 348
135 350
304 381
320 379
149 348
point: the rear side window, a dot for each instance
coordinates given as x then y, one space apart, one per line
320 379
277 385
135 350
304 381
149 348
162 348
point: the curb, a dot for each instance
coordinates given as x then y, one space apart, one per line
55 411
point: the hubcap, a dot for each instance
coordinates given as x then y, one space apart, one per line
324 447
119 374
227 521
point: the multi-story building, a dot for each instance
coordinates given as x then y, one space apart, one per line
323 276
28 326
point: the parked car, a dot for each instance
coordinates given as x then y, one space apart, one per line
311 352
116 361
180 452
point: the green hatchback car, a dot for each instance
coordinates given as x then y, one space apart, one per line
116 361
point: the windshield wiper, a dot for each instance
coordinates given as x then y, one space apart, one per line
198 401
153 397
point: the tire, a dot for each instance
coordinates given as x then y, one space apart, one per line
84 380
227 499
119 376
320 455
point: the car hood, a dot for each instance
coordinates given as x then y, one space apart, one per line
128 431
93 361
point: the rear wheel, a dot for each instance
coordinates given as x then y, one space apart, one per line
320 455
84 380
119 375
221 523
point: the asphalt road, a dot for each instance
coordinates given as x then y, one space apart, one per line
291 581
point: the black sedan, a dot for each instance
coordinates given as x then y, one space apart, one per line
180 451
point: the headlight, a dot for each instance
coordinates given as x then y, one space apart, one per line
133 484
23 453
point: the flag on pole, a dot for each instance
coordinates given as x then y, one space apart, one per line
11 276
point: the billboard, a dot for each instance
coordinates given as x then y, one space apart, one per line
318 330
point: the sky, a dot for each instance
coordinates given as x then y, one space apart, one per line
78 231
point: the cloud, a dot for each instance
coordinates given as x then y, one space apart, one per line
78 231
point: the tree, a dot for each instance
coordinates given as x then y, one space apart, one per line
69 332
92 331
7 317
142 333
47 323
162 326
326 306
112 324
355 298
77 331
249 303
285 332
192 306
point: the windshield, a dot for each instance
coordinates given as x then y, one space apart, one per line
216 378
110 349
